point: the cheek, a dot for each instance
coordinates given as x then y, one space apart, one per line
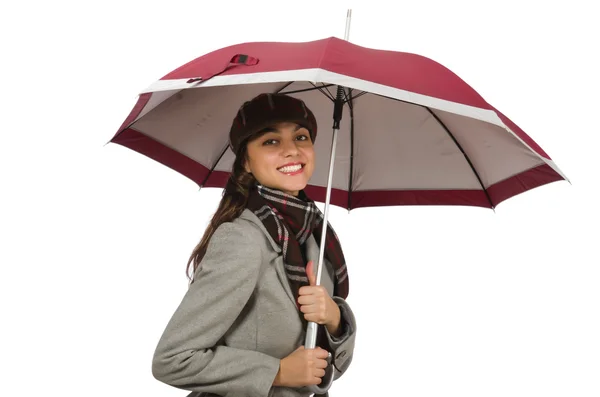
265 163
310 157
258 159
309 154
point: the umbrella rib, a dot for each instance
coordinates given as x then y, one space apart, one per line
330 96
360 94
289 83
302 90
349 99
214 166
464 154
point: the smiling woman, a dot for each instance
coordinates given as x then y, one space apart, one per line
240 328
282 157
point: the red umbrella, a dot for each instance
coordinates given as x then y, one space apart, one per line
414 133
406 130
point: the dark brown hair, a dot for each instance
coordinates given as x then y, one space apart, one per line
231 206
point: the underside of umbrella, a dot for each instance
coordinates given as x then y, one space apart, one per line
412 132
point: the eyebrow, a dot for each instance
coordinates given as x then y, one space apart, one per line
271 129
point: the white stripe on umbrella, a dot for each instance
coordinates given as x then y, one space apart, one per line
327 77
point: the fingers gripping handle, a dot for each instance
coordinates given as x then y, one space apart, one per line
326 381
310 343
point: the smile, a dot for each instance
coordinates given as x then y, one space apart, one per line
291 169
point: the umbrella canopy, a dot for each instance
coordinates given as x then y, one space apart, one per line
412 132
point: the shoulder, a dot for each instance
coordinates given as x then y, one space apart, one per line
237 233
233 247
245 234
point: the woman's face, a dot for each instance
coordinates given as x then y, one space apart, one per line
282 158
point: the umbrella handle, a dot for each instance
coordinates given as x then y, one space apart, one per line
327 379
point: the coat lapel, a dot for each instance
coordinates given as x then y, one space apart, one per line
280 270
312 253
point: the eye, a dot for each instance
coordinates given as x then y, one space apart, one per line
269 142
302 137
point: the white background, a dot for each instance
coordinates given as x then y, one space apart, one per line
449 301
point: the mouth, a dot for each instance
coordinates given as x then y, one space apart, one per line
291 169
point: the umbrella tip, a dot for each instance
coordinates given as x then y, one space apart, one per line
568 180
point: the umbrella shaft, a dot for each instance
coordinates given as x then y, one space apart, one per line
326 209
311 336
311 331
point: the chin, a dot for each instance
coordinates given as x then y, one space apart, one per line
292 187
295 188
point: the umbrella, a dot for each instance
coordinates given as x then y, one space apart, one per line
406 130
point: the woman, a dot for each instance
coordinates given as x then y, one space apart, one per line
240 328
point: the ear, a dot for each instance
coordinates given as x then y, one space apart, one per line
247 166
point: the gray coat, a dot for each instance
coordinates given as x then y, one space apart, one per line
239 318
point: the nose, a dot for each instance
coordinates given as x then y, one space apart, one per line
289 148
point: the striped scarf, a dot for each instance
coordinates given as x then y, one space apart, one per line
290 221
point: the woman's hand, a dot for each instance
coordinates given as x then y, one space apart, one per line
317 305
303 367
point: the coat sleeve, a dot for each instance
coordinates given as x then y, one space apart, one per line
343 345
188 355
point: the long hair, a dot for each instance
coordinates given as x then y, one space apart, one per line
231 206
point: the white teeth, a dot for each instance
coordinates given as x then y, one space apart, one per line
291 168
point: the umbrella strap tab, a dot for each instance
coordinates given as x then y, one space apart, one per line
237 59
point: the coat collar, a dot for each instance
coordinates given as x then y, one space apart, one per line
249 216
312 250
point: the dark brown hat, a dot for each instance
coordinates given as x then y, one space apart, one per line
265 110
